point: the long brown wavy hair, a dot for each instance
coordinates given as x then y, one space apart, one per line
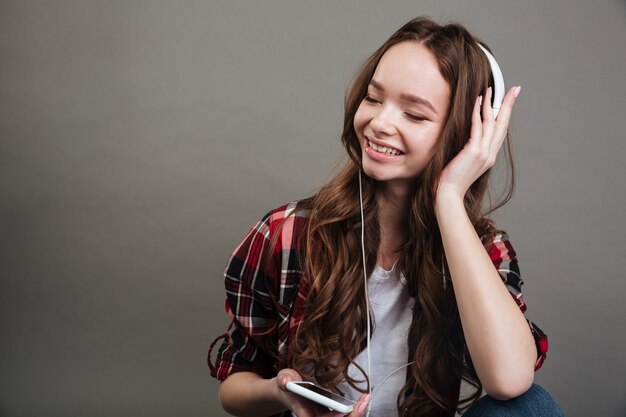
333 331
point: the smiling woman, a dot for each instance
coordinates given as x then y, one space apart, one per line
440 280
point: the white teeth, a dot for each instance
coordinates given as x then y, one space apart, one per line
383 149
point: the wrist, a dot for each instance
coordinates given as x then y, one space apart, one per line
448 198
276 392
248 394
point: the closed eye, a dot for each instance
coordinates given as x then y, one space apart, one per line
415 118
369 99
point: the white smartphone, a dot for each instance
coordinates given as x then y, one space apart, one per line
321 396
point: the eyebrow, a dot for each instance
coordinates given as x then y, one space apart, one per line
405 96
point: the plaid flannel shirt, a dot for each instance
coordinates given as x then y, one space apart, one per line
262 291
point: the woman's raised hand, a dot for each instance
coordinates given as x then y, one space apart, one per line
480 151
302 407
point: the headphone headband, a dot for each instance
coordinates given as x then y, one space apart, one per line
498 81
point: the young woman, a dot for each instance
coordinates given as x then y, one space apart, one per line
443 286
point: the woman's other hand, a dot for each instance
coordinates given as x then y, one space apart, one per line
479 153
302 407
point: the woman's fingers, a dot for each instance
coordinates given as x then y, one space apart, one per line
504 116
299 405
286 375
476 129
488 120
507 105
487 110
360 406
303 407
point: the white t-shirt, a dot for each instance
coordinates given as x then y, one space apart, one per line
392 312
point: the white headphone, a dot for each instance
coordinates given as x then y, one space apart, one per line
498 81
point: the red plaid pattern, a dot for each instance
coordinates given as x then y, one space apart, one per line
504 259
262 290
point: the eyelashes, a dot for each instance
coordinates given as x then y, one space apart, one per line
410 116
415 118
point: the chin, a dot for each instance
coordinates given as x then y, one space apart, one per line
372 173
377 175
390 179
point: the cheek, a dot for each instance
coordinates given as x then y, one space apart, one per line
360 120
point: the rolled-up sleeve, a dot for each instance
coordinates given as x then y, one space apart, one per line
246 344
504 259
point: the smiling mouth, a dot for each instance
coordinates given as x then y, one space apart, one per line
383 149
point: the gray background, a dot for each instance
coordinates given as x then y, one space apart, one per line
141 139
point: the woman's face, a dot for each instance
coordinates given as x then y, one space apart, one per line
401 118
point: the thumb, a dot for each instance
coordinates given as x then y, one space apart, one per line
286 375
360 406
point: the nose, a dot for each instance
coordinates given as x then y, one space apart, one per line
382 123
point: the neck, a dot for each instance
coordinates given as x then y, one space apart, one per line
393 208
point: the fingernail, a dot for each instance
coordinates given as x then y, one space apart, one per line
517 91
363 405
480 100
489 90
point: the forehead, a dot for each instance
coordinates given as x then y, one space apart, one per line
409 67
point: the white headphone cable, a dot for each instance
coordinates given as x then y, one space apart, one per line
381 384
367 299
367 305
